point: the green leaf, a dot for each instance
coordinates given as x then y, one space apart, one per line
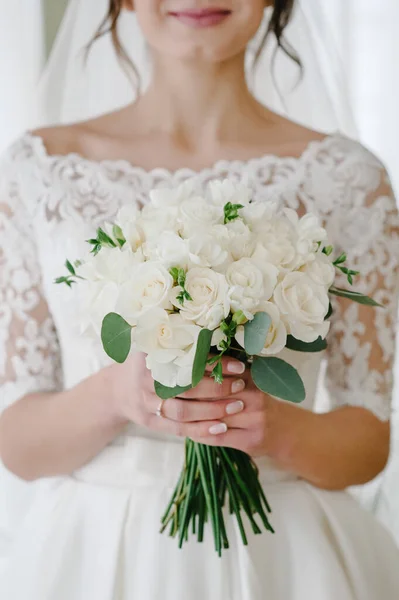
116 337
174 271
217 372
118 234
277 378
67 280
255 333
231 212
165 393
355 296
70 267
104 238
328 250
318 346
201 355
341 259
239 318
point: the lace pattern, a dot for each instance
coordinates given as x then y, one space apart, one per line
335 178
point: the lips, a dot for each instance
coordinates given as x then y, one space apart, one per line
204 17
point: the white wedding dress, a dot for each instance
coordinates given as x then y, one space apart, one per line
95 535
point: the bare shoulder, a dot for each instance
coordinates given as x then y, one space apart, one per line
90 139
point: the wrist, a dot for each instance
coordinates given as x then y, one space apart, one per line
289 429
106 397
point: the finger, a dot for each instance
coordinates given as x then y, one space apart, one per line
199 429
232 438
231 366
209 389
185 411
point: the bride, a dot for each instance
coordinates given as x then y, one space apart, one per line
88 429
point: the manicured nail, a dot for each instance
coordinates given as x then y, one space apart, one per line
218 429
235 407
236 367
238 386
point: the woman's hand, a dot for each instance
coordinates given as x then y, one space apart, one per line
202 412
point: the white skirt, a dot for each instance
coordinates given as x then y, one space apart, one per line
95 536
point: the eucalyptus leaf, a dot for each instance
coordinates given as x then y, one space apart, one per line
165 393
318 346
355 296
116 337
277 378
255 333
201 355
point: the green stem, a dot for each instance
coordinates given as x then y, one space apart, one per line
233 500
205 486
210 456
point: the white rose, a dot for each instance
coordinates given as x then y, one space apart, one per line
197 214
303 305
241 239
209 292
276 338
170 344
250 285
149 287
206 251
321 270
222 192
169 249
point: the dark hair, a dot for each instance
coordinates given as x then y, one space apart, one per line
282 12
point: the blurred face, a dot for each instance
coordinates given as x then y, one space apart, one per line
207 30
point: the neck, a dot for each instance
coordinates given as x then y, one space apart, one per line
196 102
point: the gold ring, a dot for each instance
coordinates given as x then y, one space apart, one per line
159 412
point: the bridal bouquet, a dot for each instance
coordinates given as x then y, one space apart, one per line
190 278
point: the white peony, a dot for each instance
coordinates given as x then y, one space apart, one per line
170 344
209 292
198 215
148 288
250 284
321 270
277 337
303 305
169 249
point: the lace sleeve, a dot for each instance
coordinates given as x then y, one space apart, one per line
362 339
29 352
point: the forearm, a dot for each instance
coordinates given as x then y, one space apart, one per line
349 446
52 434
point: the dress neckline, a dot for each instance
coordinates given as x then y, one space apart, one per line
128 167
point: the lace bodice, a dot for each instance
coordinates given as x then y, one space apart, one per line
50 204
